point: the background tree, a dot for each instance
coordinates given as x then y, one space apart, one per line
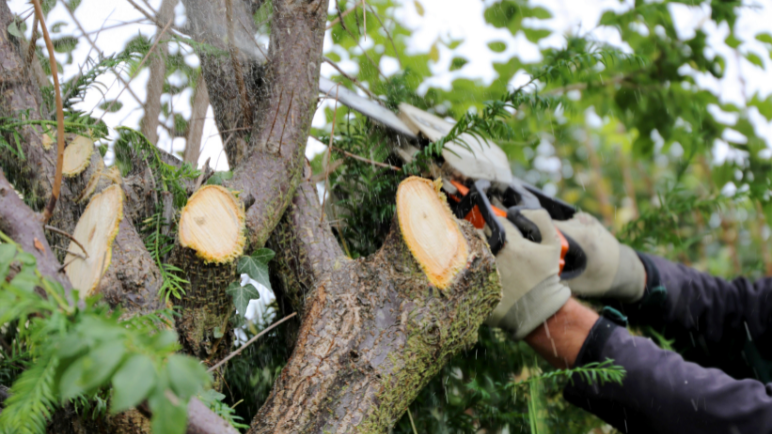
628 132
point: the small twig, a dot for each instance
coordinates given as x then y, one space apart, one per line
412 424
286 118
49 211
352 79
363 159
367 56
343 15
388 34
200 179
246 107
66 264
80 255
364 15
32 42
144 59
61 232
329 152
250 342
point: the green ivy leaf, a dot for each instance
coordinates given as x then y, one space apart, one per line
132 383
13 29
255 268
242 295
263 255
186 375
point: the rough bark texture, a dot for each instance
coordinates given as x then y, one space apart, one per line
25 227
205 306
208 24
197 120
374 332
306 249
155 84
275 166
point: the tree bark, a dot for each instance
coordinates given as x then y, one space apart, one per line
207 24
155 84
197 121
24 226
376 330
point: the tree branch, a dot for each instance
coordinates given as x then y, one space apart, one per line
270 175
208 25
155 84
197 120
24 226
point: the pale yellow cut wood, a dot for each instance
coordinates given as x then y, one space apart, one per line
77 156
46 141
212 224
430 230
96 230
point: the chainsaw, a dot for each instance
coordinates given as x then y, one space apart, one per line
475 174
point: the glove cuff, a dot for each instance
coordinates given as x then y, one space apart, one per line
630 280
535 307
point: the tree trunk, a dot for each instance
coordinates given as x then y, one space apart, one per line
376 330
155 84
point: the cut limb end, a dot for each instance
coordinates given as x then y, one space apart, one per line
430 231
212 224
96 230
77 156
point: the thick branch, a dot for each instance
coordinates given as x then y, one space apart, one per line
306 248
275 166
375 331
25 227
207 24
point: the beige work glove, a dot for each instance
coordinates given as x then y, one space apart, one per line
532 291
613 270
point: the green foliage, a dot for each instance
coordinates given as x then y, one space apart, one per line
76 347
132 148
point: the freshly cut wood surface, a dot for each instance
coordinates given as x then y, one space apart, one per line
77 156
96 230
212 224
430 230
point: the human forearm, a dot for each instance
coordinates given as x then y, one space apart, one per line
560 338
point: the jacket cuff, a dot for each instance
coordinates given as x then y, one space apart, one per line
592 348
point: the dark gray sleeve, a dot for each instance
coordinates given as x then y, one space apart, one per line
712 321
662 393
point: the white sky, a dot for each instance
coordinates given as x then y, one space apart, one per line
443 19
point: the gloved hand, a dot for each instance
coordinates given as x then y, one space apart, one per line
532 291
613 270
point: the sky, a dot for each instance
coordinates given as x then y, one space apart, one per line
442 19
